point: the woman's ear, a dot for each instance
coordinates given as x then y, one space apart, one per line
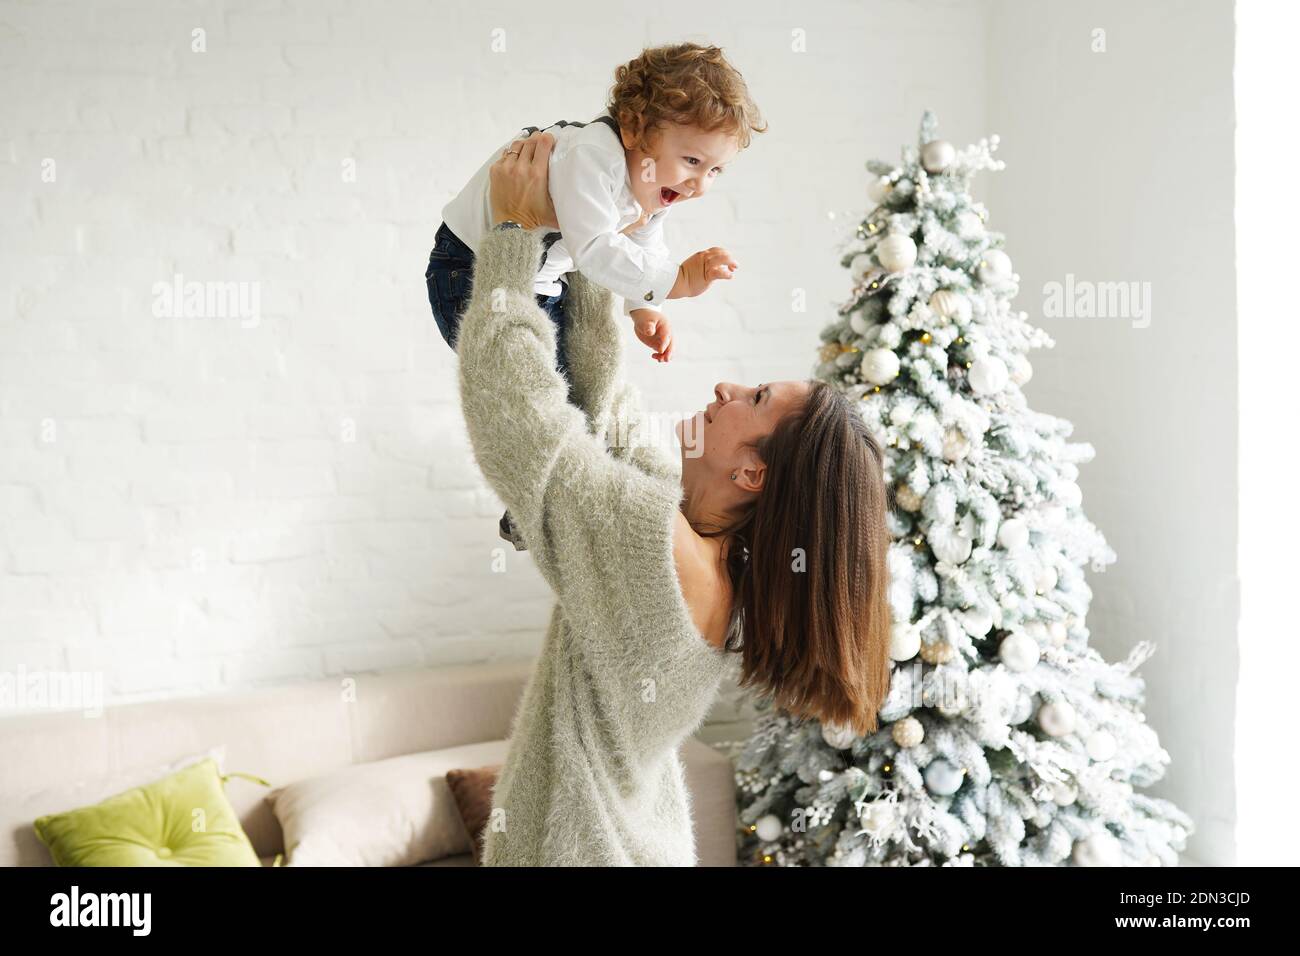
751 475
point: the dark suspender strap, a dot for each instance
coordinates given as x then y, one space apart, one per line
603 118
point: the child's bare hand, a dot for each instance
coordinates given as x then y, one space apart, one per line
696 274
653 329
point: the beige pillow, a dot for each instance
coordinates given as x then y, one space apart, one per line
394 812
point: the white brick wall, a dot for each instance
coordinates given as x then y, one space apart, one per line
180 506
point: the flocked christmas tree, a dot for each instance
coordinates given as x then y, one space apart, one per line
1005 740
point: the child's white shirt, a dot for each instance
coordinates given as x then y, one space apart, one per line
592 193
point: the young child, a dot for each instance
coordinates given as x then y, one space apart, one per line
676 116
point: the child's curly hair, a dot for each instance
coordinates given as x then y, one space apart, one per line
683 83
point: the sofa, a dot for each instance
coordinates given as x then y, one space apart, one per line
55 761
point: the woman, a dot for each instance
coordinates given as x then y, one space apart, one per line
769 536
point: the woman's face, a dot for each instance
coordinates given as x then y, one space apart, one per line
720 440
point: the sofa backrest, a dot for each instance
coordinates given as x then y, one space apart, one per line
50 762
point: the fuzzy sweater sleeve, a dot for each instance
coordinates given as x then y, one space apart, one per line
598 520
613 405
515 400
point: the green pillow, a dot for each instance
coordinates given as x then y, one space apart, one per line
181 820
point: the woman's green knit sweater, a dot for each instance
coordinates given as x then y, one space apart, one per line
593 776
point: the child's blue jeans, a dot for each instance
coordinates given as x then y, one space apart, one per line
451 269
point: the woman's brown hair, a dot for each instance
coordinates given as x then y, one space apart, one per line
808 567
687 84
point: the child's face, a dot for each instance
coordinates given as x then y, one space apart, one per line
678 164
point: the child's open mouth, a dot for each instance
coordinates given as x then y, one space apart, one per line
666 196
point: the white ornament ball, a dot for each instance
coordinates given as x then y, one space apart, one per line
907 499
858 323
768 828
880 366
904 642
896 252
1064 794
837 736
860 265
950 306
949 545
975 621
937 652
1057 718
952 701
937 155
1099 849
1013 534
942 778
942 304
956 445
1019 652
987 375
1036 630
1057 633
1020 369
994 267
878 190
908 732
1101 745
1046 579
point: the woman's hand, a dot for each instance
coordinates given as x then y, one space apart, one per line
518 183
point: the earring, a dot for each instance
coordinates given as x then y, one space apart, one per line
733 476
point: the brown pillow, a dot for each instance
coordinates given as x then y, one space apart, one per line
472 791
